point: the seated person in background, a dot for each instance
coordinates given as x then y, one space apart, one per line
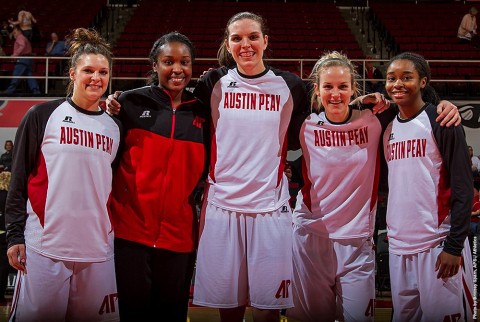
467 31
6 158
56 48
475 162
373 73
5 175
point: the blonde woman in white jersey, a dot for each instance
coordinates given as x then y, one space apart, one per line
334 261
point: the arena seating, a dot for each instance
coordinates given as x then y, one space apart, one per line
297 30
52 16
430 29
55 16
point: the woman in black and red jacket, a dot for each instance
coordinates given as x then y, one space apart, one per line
152 204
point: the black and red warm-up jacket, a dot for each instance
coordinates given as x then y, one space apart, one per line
163 158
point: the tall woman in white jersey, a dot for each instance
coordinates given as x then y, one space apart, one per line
244 255
334 261
429 203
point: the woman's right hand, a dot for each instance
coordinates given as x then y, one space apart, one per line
113 106
17 257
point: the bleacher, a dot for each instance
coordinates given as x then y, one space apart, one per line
55 16
297 30
430 29
52 16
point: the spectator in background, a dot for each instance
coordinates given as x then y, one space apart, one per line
467 31
475 167
25 21
4 36
56 48
5 175
4 33
475 160
23 66
6 158
376 76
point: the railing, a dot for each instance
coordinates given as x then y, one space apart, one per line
302 66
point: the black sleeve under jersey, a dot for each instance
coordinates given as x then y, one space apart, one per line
384 117
453 148
204 88
301 109
121 144
26 153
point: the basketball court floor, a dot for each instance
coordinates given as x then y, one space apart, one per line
202 314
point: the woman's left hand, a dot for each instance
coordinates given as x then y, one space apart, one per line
381 103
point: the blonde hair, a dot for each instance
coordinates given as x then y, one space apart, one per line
331 59
473 11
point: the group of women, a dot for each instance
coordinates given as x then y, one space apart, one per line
246 115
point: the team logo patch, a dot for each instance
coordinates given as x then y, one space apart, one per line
68 119
198 121
233 85
320 123
470 115
145 114
109 304
282 291
284 209
392 137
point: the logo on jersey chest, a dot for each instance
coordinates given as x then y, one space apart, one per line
413 148
145 114
68 119
76 136
198 121
252 101
329 138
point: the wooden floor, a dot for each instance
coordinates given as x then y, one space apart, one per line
202 314
383 313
